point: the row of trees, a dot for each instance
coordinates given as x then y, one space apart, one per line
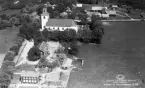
15 20
8 65
94 35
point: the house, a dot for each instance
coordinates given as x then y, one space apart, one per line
111 13
114 7
98 10
56 24
79 5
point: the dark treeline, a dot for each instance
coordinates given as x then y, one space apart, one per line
88 1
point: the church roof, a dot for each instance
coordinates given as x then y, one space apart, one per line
60 22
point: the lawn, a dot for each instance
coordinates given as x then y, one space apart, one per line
7 38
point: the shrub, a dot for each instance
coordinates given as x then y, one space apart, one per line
85 36
4 79
97 35
9 56
15 49
8 67
34 54
73 50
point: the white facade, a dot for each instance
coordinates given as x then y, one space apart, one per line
79 5
51 28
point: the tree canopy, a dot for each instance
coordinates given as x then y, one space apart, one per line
34 54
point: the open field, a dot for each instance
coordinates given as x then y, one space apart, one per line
121 52
7 38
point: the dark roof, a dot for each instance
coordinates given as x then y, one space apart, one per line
61 22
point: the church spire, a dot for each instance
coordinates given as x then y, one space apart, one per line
45 12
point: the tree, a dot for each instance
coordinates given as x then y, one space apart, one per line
19 40
85 35
15 49
83 17
73 50
8 67
55 14
50 10
9 56
34 54
45 34
60 7
39 9
38 38
97 34
28 30
4 79
24 19
70 35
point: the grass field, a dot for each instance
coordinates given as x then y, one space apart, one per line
7 38
122 52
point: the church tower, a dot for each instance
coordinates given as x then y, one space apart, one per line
44 18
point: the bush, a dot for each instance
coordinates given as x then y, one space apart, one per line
40 9
4 79
85 36
15 49
28 30
9 56
34 54
73 50
97 34
8 67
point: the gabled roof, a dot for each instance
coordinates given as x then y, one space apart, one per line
60 23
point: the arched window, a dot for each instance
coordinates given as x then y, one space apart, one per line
44 17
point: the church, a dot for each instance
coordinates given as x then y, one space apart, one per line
56 24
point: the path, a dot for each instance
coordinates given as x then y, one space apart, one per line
1 59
